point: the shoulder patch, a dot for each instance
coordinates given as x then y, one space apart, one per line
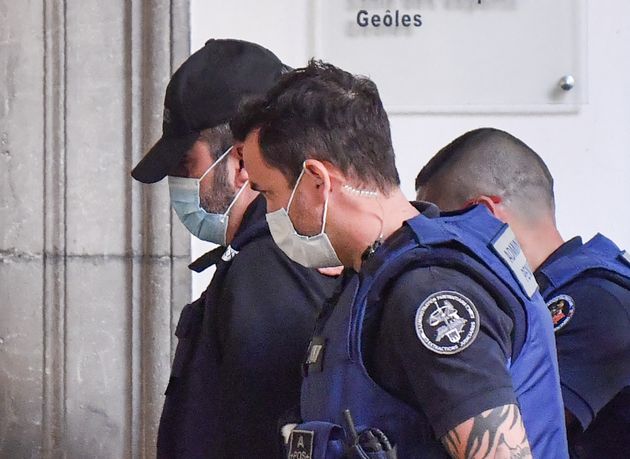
561 309
447 322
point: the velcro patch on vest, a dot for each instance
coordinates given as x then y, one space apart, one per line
562 308
301 444
447 322
625 257
315 356
509 250
229 253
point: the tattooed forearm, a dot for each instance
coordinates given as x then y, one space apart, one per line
495 433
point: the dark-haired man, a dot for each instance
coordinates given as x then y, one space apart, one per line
586 286
441 340
237 366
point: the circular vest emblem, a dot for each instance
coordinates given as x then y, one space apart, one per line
447 322
561 308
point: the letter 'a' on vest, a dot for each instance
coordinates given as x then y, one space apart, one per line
599 257
483 247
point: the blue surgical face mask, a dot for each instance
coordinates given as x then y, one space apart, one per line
186 202
309 251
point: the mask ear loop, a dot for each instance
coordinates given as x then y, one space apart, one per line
324 215
238 195
297 182
223 155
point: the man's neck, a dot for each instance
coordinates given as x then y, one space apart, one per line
538 242
237 212
379 218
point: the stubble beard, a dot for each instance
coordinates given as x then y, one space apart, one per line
221 193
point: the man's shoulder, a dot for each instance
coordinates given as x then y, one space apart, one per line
421 278
597 261
597 302
262 260
594 288
420 285
261 254
592 309
263 245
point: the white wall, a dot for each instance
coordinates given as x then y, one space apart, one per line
588 152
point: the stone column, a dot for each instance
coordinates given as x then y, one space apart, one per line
92 265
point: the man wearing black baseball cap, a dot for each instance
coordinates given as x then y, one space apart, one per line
237 366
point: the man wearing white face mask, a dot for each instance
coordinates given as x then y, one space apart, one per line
439 344
314 251
237 366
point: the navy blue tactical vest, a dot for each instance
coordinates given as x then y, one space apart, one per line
485 249
599 257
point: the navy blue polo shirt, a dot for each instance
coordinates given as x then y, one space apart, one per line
593 341
447 389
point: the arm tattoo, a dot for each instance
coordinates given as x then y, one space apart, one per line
498 432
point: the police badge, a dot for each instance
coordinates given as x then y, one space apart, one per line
447 322
561 308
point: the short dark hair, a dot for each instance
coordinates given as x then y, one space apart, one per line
325 113
218 138
491 162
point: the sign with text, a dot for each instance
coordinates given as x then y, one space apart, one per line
460 55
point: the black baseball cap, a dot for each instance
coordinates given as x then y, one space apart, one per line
204 92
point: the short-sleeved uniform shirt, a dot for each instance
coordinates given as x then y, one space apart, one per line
447 388
593 340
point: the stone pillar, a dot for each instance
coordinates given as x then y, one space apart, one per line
92 265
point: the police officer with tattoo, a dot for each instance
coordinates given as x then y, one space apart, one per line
586 285
237 365
438 344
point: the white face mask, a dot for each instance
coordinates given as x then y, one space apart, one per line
185 200
309 251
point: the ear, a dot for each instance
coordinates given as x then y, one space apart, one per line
319 174
236 158
483 200
493 203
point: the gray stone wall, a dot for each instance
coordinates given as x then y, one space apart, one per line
92 265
